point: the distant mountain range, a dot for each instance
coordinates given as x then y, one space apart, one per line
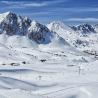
83 37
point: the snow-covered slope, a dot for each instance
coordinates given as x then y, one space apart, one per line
64 31
21 31
29 40
84 29
38 61
83 37
88 37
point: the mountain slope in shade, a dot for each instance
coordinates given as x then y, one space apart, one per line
39 33
12 24
24 29
17 31
21 31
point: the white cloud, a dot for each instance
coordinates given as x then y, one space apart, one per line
23 4
26 4
56 1
77 9
34 4
85 9
83 19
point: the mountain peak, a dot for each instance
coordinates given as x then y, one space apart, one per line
6 13
13 24
37 27
35 24
7 16
9 13
39 32
58 23
86 28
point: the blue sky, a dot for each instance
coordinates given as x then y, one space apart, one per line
45 11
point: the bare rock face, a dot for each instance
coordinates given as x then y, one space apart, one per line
13 24
8 23
39 33
84 29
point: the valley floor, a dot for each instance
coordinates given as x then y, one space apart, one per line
32 73
42 80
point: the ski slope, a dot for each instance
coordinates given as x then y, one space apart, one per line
49 80
60 72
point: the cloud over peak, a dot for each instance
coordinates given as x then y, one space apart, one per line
83 19
47 10
35 3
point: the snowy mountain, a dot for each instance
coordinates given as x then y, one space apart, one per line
64 31
84 29
38 61
54 39
96 27
83 37
16 29
21 31
12 24
39 33
87 37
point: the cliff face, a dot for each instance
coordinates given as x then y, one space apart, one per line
12 24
